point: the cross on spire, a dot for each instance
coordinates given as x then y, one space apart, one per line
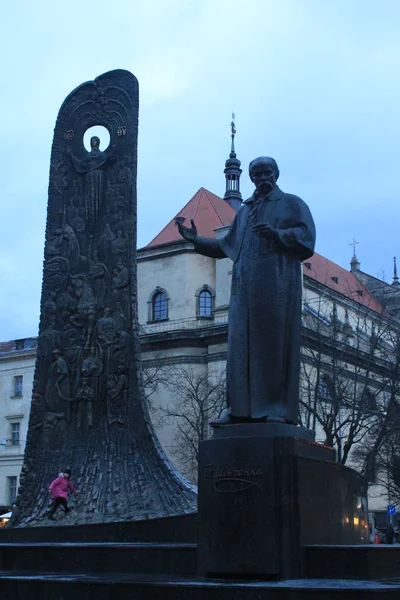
354 244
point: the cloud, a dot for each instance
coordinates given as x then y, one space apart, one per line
312 83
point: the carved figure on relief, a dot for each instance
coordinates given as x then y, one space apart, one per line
119 221
92 166
105 331
120 283
58 385
85 398
77 223
56 269
120 244
50 307
122 349
66 303
119 316
117 386
105 241
125 177
60 186
92 368
67 244
119 201
86 306
98 274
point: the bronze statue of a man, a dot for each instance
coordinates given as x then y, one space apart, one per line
269 237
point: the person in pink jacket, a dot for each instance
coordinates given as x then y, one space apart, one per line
59 491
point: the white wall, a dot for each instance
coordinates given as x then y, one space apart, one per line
14 410
180 275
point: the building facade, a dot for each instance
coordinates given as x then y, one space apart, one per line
17 363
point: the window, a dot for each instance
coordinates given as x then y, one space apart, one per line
159 307
205 304
11 490
370 400
18 386
19 344
323 388
15 434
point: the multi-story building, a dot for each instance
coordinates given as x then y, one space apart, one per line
17 362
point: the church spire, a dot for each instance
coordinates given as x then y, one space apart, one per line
395 278
232 173
354 263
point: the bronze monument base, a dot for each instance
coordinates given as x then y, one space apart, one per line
262 498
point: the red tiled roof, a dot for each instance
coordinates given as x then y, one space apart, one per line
326 272
208 212
29 344
7 346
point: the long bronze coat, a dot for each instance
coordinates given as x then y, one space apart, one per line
265 307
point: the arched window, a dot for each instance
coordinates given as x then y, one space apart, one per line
205 300
159 307
205 303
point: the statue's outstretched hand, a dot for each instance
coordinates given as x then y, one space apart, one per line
266 231
188 234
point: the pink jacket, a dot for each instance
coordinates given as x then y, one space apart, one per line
59 487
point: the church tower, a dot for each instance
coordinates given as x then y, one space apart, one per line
232 174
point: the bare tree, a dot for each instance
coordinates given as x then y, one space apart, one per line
197 399
155 375
347 370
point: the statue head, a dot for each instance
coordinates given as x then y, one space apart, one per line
95 142
107 311
264 173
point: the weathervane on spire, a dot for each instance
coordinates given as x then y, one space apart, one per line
232 173
354 243
233 128
233 133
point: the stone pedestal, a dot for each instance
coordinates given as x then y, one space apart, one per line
264 493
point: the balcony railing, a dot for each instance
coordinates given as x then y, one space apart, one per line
183 324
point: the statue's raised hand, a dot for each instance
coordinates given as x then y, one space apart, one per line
188 234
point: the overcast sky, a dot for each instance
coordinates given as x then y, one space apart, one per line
313 83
